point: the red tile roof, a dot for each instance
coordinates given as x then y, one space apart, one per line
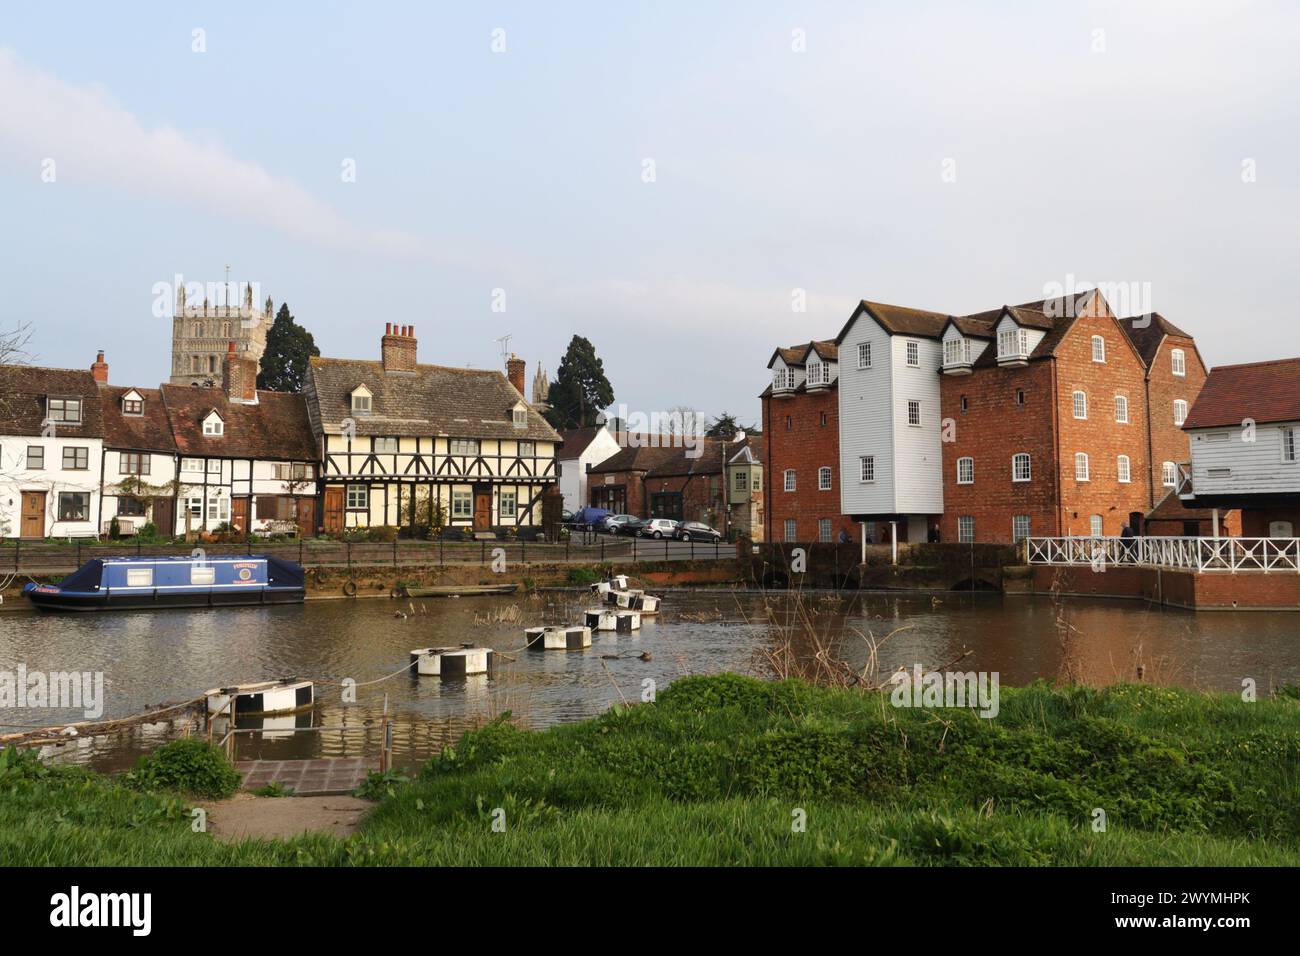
1261 391
276 428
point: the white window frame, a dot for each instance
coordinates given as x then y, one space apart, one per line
357 498
361 404
824 478
1096 526
193 466
914 405
790 530
1121 409
1013 343
1123 469
1099 354
866 469
966 470
965 529
788 479
1018 532
464 446
1029 467
956 351
1081 470
1290 449
511 496
1169 474
913 354
1180 411
462 503
387 449
824 530
213 427
1080 403
1178 362
864 355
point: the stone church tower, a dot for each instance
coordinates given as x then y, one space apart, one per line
541 389
201 335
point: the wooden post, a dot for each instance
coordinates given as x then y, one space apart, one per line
893 535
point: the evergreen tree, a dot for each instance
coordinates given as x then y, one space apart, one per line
726 426
580 390
289 347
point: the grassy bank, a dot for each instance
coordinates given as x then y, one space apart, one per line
716 771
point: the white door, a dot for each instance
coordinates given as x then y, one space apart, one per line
1280 529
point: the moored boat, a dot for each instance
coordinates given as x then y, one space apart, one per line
170 582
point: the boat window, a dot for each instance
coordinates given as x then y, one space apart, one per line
203 574
139 577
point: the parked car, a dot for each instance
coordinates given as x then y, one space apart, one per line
697 531
633 528
589 518
659 528
615 524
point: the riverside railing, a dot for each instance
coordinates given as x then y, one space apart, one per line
1269 555
38 557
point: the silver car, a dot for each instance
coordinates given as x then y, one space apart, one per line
659 528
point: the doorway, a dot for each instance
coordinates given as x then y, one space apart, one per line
33 512
482 510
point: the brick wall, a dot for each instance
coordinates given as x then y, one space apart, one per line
1255 521
1100 436
1168 441
993 428
802 432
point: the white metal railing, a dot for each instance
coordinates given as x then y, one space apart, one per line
1191 554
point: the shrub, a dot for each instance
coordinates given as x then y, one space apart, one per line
189 765
583 576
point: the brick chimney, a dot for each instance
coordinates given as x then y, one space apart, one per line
398 348
515 372
239 376
100 369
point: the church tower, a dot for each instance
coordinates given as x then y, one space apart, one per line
202 333
541 389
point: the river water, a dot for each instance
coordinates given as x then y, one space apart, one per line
151 657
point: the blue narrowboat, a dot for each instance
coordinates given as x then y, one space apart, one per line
160 582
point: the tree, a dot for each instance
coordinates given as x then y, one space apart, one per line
289 347
580 390
725 426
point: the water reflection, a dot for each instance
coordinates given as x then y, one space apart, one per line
153 657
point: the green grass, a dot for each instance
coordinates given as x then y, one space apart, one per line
720 768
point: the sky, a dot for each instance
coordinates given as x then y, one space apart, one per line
686 184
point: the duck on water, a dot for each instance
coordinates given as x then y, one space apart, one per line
169 582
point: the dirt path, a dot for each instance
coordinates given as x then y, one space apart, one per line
245 816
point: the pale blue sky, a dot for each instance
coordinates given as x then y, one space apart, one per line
775 170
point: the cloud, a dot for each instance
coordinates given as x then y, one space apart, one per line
93 139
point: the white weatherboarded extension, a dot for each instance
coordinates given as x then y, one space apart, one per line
558 638
263 697
452 661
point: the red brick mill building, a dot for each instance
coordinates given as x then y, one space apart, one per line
801 439
1058 418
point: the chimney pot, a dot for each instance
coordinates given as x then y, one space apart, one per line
388 328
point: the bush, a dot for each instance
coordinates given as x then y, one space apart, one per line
190 766
382 533
581 576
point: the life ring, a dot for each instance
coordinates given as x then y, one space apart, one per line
350 588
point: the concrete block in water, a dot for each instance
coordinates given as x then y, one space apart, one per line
601 619
558 638
452 661
646 604
625 621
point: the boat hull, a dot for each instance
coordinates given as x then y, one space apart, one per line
53 599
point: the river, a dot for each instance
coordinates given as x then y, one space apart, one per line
148 658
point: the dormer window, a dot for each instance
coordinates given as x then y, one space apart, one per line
66 410
361 400
133 404
1013 345
213 426
782 379
819 374
956 354
519 416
